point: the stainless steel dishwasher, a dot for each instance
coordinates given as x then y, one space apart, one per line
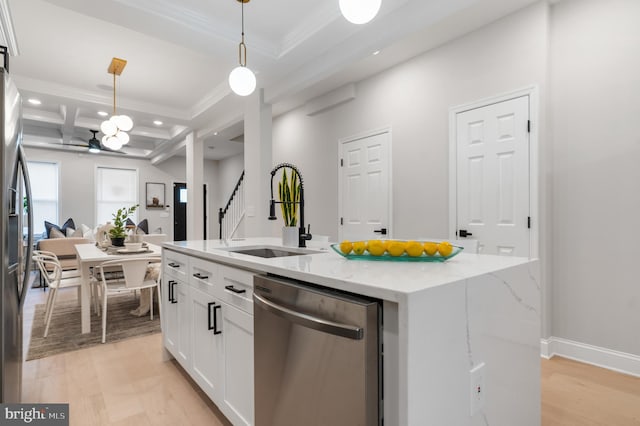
316 356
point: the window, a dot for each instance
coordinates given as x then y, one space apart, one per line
115 188
44 193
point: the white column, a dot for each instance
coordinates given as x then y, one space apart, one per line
195 180
257 164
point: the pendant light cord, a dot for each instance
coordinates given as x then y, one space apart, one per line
242 48
114 93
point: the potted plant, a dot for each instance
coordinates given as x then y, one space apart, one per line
289 192
118 233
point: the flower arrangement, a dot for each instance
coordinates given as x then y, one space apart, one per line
119 221
289 192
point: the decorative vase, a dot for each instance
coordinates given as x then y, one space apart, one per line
117 242
290 236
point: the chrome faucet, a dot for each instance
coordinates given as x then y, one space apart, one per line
303 234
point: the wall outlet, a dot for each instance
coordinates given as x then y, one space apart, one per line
477 390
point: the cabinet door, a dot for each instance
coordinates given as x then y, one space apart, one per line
181 294
207 346
237 365
169 315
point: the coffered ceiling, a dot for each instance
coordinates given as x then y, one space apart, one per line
179 55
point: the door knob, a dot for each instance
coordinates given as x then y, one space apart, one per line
382 231
464 233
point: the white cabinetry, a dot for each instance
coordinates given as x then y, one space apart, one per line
175 315
207 324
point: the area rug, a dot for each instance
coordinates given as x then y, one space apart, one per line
64 331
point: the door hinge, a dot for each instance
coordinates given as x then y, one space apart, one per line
528 126
341 221
528 222
341 162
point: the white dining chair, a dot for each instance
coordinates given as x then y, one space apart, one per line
56 278
135 278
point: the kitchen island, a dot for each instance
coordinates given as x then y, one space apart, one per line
442 321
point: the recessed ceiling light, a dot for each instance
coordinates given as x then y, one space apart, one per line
34 101
157 122
215 133
376 52
103 113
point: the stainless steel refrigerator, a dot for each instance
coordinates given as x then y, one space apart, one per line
15 250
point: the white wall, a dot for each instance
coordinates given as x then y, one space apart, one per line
583 55
77 184
414 99
596 199
229 171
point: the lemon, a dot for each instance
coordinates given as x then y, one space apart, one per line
445 248
359 247
346 247
375 248
414 249
396 248
430 248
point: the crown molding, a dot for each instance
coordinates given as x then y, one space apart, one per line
324 14
197 22
42 116
6 28
59 90
210 99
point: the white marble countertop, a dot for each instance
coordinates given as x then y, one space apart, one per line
392 281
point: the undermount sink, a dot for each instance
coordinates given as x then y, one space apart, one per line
271 251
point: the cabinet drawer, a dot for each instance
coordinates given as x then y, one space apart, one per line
236 287
175 264
203 275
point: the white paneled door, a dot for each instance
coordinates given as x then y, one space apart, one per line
493 176
365 190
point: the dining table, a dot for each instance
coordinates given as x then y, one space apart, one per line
91 255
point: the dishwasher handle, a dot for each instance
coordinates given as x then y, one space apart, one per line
309 321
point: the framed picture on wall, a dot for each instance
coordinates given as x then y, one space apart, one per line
155 195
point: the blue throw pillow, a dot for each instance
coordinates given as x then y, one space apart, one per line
48 226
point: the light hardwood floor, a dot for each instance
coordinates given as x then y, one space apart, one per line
127 383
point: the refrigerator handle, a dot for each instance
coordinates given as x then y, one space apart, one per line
326 326
22 162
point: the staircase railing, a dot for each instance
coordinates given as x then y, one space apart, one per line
230 216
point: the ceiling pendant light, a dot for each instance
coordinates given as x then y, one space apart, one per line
359 11
241 79
116 126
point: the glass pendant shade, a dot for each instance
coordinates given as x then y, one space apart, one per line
359 11
112 142
242 81
124 122
108 127
123 137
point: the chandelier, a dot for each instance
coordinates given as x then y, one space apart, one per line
241 79
116 127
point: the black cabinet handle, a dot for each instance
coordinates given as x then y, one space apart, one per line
382 231
174 265
209 325
173 292
215 320
169 288
202 277
235 290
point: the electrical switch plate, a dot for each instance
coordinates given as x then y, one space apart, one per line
477 389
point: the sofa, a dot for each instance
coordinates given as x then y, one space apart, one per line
64 249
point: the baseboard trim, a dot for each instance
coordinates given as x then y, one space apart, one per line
600 357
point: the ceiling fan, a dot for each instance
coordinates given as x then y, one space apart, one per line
95 146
